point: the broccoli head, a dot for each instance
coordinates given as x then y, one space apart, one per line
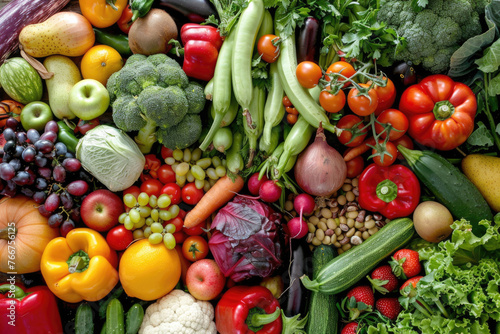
127 114
434 33
196 97
164 106
169 75
135 58
183 135
161 58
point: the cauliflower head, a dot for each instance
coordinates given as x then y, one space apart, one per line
179 313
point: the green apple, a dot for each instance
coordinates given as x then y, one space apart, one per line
35 115
88 99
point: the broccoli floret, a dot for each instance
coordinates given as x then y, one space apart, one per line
126 82
146 74
196 97
134 59
112 86
161 58
169 75
183 135
164 106
127 114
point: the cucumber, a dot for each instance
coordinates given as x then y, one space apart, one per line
323 314
115 323
84 320
348 268
135 315
450 187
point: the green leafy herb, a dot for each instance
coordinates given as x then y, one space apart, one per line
229 11
481 136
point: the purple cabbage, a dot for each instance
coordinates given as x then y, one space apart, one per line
246 239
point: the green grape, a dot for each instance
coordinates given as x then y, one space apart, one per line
129 200
216 161
170 161
198 172
178 154
174 167
153 201
149 221
196 154
138 234
155 215
129 225
140 223
164 201
206 186
212 182
220 171
165 215
121 218
189 177
144 211
155 238
187 155
170 228
134 215
147 232
211 174
224 162
174 211
180 180
182 169
143 199
204 163
169 241
199 183
156 227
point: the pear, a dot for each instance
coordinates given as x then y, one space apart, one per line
484 173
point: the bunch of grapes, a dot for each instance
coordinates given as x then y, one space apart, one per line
38 166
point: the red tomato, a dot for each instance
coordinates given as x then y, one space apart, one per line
388 159
291 110
195 248
190 194
178 223
362 105
166 152
152 187
195 230
267 46
134 190
166 174
173 190
308 74
355 167
348 122
287 102
182 214
125 21
332 103
386 96
405 141
179 237
291 118
394 117
343 68
119 238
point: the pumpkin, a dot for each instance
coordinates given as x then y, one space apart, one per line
24 233
9 108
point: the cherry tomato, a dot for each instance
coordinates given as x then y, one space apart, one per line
84 126
308 74
267 47
332 103
173 190
362 105
179 237
178 223
348 122
291 110
386 96
152 187
405 141
195 230
166 174
125 21
388 159
166 152
287 102
397 119
182 214
190 194
195 248
355 166
343 68
134 190
291 118
118 238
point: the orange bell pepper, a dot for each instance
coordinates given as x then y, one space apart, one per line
102 13
79 267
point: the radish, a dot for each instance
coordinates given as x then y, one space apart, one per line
254 183
297 227
270 191
304 204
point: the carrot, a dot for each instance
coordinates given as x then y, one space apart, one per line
358 150
220 193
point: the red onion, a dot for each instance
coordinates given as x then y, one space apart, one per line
320 170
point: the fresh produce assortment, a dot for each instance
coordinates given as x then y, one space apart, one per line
250 166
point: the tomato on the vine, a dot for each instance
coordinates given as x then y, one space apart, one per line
287 102
386 96
355 166
178 222
195 230
342 67
267 46
195 248
190 194
388 160
404 141
173 191
348 122
292 118
332 103
152 187
125 21
308 74
166 152
118 238
166 174
179 237
134 190
361 105
397 119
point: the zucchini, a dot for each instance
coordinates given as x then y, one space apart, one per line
135 315
84 319
348 268
450 187
115 323
323 314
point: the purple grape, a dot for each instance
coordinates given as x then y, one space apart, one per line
11 123
22 178
39 196
7 171
55 220
66 200
49 135
41 161
6 157
59 173
51 126
18 151
33 135
21 137
16 163
45 172
77 188
29 154
61 149
27 192
41 183
32 176
69 155
9 134
72 164
74 214
43 211
44 146
9 147
52 202
66 226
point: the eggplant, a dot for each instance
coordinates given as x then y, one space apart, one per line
307 40
195 11
404 73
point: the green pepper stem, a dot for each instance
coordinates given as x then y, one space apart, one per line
387 191
258 320
78 262
443 110
18 292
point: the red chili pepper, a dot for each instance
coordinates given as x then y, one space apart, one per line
125 21
150 167
23 311
394 190
247 310
201 49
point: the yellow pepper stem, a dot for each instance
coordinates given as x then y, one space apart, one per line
78 262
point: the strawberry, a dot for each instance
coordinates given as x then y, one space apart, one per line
389 307
350 328
359 299
411 292
383 279
405 263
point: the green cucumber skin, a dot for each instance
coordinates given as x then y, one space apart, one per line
115 321
323 314
135 315
84 320
348 268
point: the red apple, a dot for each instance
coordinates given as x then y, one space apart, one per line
100 210
204 279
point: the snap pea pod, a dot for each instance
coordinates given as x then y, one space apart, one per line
254 121
274 109
234 160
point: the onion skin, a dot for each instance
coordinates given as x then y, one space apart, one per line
320 170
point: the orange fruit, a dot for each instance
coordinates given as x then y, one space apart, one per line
147 271
99 62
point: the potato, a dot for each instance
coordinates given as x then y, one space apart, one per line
484 173
432 221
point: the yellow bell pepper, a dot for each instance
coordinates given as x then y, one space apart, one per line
102 13
80 266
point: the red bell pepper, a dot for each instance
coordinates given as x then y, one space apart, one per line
440 111
393 191
28 311
248 310
150 167
201 49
